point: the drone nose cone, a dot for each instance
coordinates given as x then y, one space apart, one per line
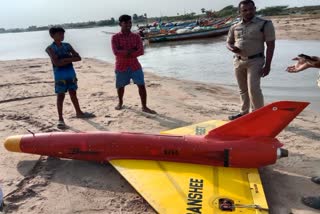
12 143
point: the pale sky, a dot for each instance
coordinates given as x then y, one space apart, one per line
23 13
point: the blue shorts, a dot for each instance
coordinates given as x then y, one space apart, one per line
62 86
123 77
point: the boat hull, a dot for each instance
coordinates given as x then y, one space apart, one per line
191 35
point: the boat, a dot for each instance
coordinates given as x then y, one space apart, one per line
189 35
201 29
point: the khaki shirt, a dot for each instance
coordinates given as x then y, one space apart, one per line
249 38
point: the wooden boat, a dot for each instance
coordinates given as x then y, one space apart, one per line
189 35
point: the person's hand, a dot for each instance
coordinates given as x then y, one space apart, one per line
266 70
235 49
129 52
301 65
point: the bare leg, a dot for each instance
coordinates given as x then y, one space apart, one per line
120 92
143 97
75 102
60 99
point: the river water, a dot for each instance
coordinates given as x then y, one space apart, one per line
205 60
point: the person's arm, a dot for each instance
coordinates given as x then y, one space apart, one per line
115 48
303 64
75 55
233 48
269 55
140 50
231 41
58 62
314 62
270 38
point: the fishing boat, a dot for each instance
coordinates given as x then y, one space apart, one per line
189 35
211 29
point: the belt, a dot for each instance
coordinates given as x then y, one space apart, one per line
249 57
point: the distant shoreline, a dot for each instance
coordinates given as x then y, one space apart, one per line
47 28
297 27
228 11
293 27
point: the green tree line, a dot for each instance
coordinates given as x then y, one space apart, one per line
229 10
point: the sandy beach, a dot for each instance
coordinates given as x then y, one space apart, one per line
297 27
36 184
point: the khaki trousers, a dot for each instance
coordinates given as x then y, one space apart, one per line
248 74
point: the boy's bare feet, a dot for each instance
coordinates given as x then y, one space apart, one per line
85 115
149 111
119 106
61 125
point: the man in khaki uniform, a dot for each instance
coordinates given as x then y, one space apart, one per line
246 39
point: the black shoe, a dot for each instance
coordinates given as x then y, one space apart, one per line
312 201
316 179
233 117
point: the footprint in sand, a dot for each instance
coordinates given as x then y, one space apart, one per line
35 66
153 85
97 94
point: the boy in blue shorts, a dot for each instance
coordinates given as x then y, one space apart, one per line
62 56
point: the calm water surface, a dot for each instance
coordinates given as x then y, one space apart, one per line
205 60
